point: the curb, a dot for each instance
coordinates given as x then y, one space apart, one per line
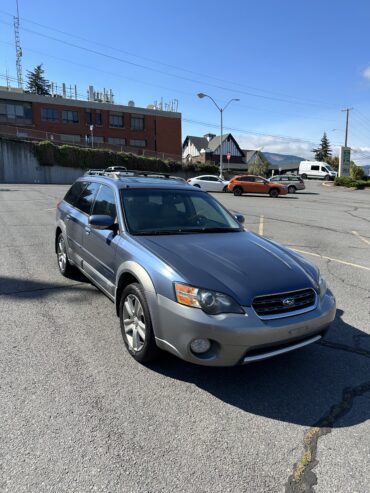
327 184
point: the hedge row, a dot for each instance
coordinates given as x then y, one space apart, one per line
349 182
49 154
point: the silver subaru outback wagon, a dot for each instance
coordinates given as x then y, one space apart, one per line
184 274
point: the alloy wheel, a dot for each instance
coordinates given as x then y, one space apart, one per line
134 322
62 254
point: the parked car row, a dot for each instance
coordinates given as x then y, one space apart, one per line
275 186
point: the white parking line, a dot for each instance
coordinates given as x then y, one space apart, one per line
260 227
332 259
361 238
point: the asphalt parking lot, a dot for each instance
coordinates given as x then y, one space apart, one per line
78 414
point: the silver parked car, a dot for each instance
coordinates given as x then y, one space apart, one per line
293 182
184 274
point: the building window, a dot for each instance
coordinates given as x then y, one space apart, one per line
116 120
14 112
98 118
116 141
74 139
98 139
137 143
137 122
50 115
89 118
70 117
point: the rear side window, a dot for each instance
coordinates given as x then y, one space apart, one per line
87 197
74 192
246 178
276 178
315 168
105 202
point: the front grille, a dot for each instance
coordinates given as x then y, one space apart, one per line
284 303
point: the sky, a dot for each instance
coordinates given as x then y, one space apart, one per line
293 64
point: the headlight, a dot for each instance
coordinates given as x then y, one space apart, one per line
210 302
322 287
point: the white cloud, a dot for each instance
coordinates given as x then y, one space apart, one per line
274 144
366 73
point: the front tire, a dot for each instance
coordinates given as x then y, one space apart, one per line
136 324
274 193
291 189
327 178
238 191
224 189
64 265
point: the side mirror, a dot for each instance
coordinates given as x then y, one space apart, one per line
101 222
240 218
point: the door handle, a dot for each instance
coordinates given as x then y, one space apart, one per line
87 230
68 217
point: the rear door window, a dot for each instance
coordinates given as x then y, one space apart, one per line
315 168
74 192
87 197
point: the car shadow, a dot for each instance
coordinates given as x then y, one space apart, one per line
262 196
26 288
300 387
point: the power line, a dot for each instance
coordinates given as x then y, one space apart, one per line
262 110
306 100
145 67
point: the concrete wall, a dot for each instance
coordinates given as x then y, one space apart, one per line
19 165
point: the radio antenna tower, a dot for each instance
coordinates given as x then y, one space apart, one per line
18 49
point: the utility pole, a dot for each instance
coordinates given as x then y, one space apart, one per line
347 110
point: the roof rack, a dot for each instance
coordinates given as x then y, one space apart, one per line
94 172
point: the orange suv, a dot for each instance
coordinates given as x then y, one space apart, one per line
255 184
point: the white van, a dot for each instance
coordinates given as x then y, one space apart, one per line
316 169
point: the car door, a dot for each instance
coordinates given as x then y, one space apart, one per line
260 185
315 171
247 183
79 201
99 246
210 184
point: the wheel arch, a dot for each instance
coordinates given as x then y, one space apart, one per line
131 272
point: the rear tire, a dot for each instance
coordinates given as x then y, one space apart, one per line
292 189
304 176
238 191
136 324
64 265
274 193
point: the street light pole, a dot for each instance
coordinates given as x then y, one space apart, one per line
221 110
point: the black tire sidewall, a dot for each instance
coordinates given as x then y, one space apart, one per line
69 268
237 191
291 189
274 193
149 350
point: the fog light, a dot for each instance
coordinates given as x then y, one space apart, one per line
200 346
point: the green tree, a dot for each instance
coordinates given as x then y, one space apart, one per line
356 172
260 167
36 82
323 152
333 161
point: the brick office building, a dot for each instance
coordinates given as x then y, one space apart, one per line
139 130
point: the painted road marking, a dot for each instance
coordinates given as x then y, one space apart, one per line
361 238
333 259
260 227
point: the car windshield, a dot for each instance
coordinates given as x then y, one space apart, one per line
328 167
155 212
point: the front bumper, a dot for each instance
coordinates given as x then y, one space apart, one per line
235 337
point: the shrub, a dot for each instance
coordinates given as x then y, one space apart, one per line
49 154
356 172
349 182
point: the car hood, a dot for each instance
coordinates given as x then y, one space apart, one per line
240 264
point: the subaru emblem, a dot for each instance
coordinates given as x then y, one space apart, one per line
288 302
